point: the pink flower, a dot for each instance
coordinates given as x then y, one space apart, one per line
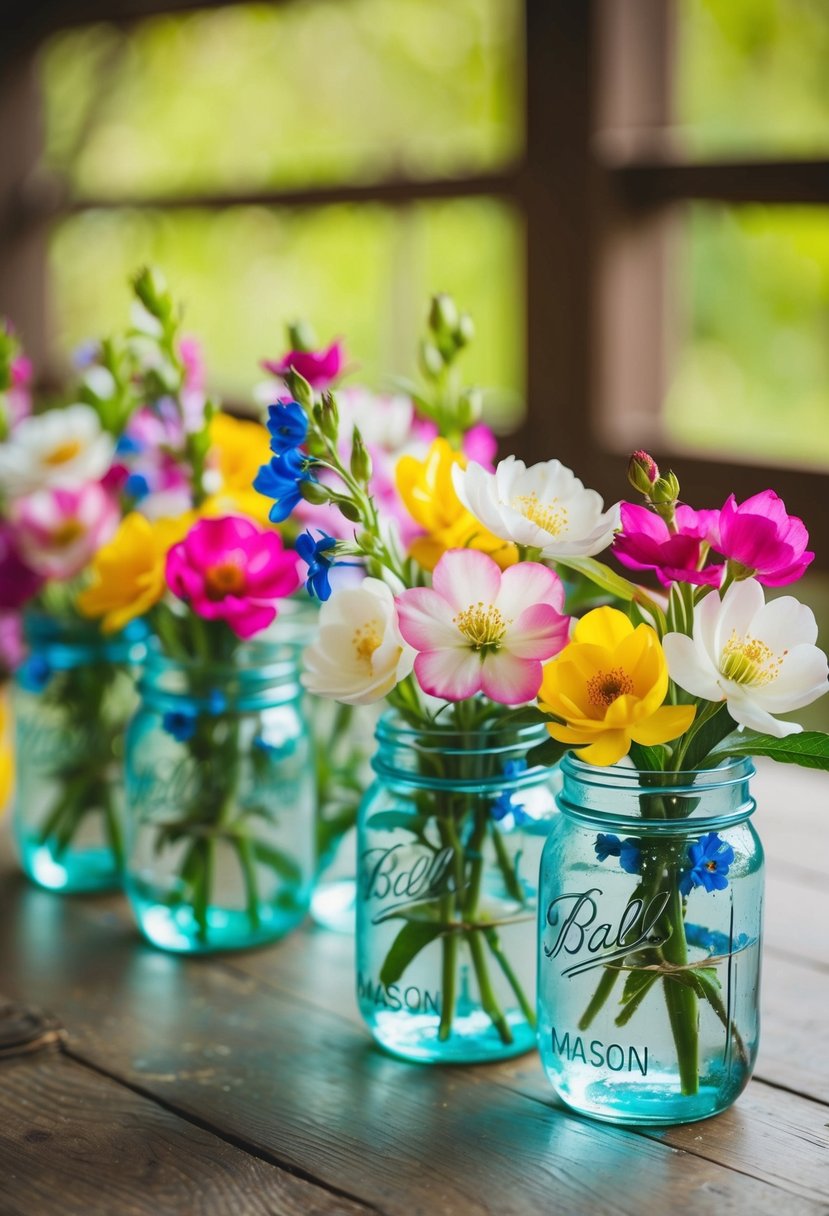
645 543
480 445
60 529
11 643
190 353
229 569
762 537
478 629
319 367
19 396
18 582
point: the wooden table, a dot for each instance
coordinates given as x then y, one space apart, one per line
246 1084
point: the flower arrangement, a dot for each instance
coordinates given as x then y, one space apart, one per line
461 625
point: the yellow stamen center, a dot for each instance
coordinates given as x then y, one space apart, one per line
225 578
67 533
710 865
483 625
63 453
366 640
747 660
547 515
607 686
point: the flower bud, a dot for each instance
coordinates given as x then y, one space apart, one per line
314 492
465 331
301 336
443 314
431 360
151 288
347 508
470 407
642 472
665 490
360 458
329 416
299 389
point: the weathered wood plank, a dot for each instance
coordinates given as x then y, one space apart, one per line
304 1085
75 1143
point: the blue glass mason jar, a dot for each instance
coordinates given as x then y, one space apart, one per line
73 697
449 839
220 801
650 919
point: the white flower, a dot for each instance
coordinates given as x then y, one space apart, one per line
544 506
385 421
359 655
760 658
63 447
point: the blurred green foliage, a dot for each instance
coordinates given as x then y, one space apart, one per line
315 91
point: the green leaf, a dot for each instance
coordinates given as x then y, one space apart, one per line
637 985
601 575
648 759
390 821
704 740
411 939
809 749
547 753
278 861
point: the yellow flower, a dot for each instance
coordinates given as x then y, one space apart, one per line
6 750
608 685
240 447
128 573
429 496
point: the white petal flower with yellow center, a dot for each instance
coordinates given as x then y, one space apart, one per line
62 447
358 656
760 658
543 507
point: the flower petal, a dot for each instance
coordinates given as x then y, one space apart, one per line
451 674
665 724
510 680
465 576
690 667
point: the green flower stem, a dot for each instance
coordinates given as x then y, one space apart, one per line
449 962
511 882
597 1001
488 998
494 943
681 1000
115 833
248 866
202 884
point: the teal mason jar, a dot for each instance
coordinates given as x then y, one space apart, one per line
220 801
449 839
650 917
73 697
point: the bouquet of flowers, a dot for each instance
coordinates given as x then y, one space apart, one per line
195 562
461 626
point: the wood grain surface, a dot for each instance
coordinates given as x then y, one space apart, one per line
247 1083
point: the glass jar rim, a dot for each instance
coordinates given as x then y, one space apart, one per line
256 659
392 729
735 769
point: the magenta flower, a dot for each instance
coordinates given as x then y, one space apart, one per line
11 643
763 538
645 543
18 582
319 367
478 629
59 530
19 395
230 569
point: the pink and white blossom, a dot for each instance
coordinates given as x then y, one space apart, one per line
59 530
359 655
478 629
543 507
760 658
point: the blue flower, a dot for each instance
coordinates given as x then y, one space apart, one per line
215 702
136 486
280 480
314 554
514 768
128 445
505 805
35 673
288 426
628 851
179 723
714 942
710 858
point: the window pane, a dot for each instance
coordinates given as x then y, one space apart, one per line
753 76
291 94
364 273
753 371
